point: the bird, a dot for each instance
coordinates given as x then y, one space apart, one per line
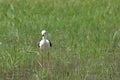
44 46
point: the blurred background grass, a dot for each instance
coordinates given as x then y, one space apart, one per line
85 36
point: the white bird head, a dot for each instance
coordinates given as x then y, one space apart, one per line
43 32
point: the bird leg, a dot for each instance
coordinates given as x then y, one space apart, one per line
42 61
48 62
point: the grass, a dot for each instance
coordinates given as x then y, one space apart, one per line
85 36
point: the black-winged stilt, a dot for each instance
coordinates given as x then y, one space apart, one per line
44 45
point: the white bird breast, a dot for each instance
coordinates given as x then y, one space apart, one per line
44 45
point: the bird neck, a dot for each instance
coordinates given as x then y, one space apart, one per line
43 37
